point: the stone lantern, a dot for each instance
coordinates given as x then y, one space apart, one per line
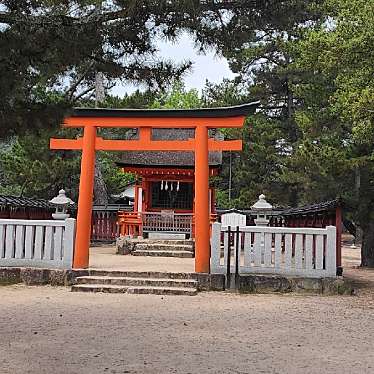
262 208
62 203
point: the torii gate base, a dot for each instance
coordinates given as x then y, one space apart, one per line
200 119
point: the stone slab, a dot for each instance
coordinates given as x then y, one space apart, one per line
10 276
163 247
257 283
34 276
134 290
161 235
138 281
162 253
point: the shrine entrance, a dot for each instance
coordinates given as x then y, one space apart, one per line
200 120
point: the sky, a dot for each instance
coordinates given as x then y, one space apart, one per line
208 66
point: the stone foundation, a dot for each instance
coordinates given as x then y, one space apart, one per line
210 282
56 277
38 277
206 282
252 283
10 276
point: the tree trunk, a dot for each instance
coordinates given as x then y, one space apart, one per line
358 238
365 204
100 191
367 248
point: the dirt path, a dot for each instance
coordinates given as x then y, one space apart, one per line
50 330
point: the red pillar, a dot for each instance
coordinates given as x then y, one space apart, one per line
86 183
202 239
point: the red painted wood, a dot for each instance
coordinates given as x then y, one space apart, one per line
104 225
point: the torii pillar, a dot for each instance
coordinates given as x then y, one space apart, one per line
202 237
199 119
85 201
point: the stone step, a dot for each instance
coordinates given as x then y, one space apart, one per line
155 253
163 247
141 274
163 291
108 288
135 281
169 241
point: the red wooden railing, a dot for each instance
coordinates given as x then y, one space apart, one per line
104 226
130 223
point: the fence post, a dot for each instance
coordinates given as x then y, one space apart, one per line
228 267
237 259
69 241
215 246
331 251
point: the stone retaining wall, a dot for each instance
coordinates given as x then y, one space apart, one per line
34 276
206 282
273 283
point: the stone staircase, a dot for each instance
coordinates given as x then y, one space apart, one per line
165 248
157 283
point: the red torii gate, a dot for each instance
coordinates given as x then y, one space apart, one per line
199 119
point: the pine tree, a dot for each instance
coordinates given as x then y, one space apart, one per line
51 51
336 122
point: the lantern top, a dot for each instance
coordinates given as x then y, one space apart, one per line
61 199
262 204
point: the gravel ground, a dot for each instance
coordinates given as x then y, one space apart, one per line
105 258
51 330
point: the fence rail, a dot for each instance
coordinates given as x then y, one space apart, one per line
37 243
167 222
274 250
104 226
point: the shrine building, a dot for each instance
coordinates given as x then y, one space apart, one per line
164 191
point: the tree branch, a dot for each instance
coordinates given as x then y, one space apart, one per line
70 92
76 98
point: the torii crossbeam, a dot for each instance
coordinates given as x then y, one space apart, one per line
199 119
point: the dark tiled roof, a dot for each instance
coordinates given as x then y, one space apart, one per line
14 201
325 206
249 212
233 111
157 158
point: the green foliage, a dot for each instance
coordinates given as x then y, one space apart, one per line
178 98
30 169
263 62
136 100
115 179
55 48
222 199
336 121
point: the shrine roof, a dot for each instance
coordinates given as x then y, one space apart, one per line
15 201
166 159
324 206
169 158
220 112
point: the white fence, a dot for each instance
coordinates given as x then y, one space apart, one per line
37 243
233 219
307 252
